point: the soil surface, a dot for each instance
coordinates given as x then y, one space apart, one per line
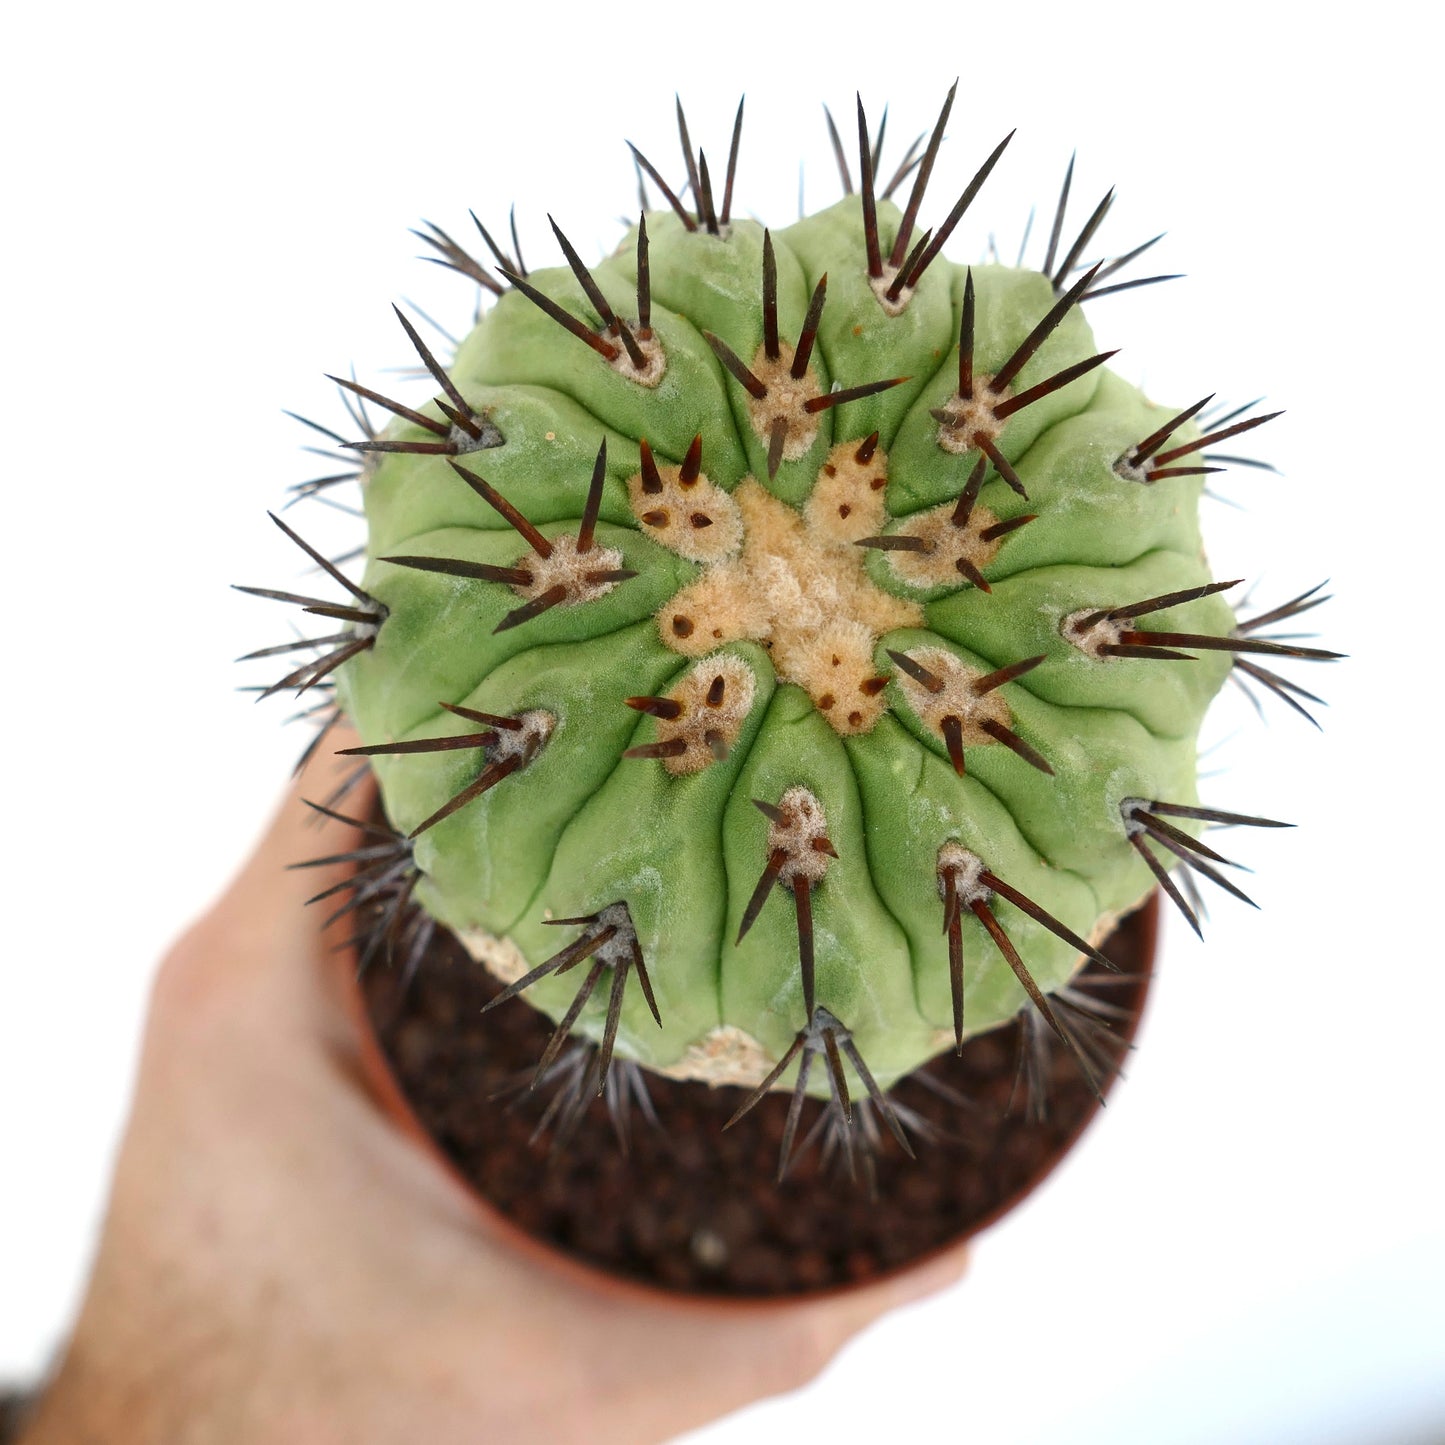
679 1204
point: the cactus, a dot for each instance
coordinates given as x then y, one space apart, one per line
782 654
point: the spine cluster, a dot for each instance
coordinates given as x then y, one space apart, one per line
793 578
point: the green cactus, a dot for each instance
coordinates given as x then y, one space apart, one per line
807 624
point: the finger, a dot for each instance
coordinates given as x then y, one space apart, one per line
753 1353
260 948
833 1322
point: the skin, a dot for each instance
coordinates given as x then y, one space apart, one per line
279 1263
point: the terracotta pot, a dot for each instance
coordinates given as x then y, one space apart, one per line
693 1213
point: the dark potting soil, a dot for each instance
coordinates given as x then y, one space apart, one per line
688 1207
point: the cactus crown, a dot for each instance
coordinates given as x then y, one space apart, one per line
806 624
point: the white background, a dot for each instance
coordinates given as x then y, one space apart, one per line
208 207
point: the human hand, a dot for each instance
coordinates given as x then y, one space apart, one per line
280 1263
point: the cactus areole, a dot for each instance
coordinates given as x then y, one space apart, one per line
782 652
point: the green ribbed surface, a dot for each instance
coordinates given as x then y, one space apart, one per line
580 828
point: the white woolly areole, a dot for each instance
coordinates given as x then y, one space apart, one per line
526 741
654 359
967 870
466 443
893 306
1129 809
1090 637
947 542
970 419
956 698
1129 471
618 949
784 401
706 726
846 503
805 591
802 826
569 568
697 519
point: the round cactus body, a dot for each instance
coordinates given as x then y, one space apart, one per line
786 647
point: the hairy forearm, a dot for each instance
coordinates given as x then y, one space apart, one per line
280 1266
124 1392
127 1380
85 1407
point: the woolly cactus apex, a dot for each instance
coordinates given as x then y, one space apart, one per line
788 648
